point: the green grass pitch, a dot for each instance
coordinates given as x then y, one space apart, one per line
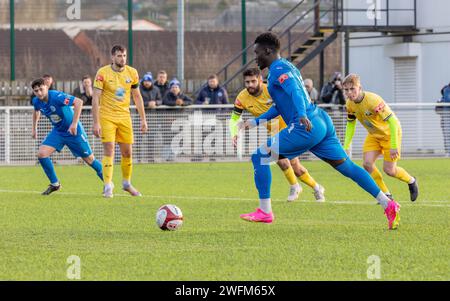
118 239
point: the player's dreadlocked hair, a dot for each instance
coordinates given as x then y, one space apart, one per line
269 40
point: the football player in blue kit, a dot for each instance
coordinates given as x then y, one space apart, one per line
309 128
67 130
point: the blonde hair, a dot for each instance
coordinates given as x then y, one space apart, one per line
352 79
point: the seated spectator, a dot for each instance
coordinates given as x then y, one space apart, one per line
49 82
150 93
212 93
84 91
313 94
162 83
175 96
333 92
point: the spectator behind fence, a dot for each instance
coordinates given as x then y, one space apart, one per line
150 93
175 96
444 112
212 93
333 92
162 83
48 81
313 94
84 91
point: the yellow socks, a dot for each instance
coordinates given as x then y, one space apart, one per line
308 180
127 168
378 178
107 165
290 175
402 175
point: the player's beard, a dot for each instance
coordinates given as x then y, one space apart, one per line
119 65
254 91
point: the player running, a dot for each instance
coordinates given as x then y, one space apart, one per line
308 128
256 100
67 130
384 137
114 84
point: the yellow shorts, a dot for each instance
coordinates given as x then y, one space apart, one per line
120 130
382 145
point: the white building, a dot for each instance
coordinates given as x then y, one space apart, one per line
411 69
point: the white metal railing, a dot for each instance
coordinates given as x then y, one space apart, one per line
200 133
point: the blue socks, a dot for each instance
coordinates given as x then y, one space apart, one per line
360 176
47 165
97 166
263 175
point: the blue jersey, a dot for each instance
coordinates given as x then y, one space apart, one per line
289 95
58 109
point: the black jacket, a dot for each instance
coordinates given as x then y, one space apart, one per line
87 100
163 89
150 94
331 94
215 96
170 99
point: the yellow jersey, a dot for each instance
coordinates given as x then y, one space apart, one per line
116 90
258 105
373 113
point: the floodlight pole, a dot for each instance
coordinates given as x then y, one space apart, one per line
130 32
244 32
12 43
180 41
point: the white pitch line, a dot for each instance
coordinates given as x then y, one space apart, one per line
168 197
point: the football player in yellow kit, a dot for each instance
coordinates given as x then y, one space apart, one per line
255 99
384 137
113 87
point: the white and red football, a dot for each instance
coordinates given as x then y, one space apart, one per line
169 217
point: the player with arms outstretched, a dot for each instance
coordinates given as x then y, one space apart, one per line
113 86
384 137
67 130
256 100
308 128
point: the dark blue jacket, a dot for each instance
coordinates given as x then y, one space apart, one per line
214 96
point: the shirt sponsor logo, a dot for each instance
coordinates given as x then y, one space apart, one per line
120 93
379 108
283 77
55 118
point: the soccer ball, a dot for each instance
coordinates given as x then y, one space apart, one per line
169 217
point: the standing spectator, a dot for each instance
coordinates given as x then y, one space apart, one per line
444 112
162 83
48 81
313 94
212 92
85 90
150 93
332 92
175 96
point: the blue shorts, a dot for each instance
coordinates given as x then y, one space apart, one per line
322 141
78 145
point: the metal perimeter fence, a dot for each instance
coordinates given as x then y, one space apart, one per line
200 133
